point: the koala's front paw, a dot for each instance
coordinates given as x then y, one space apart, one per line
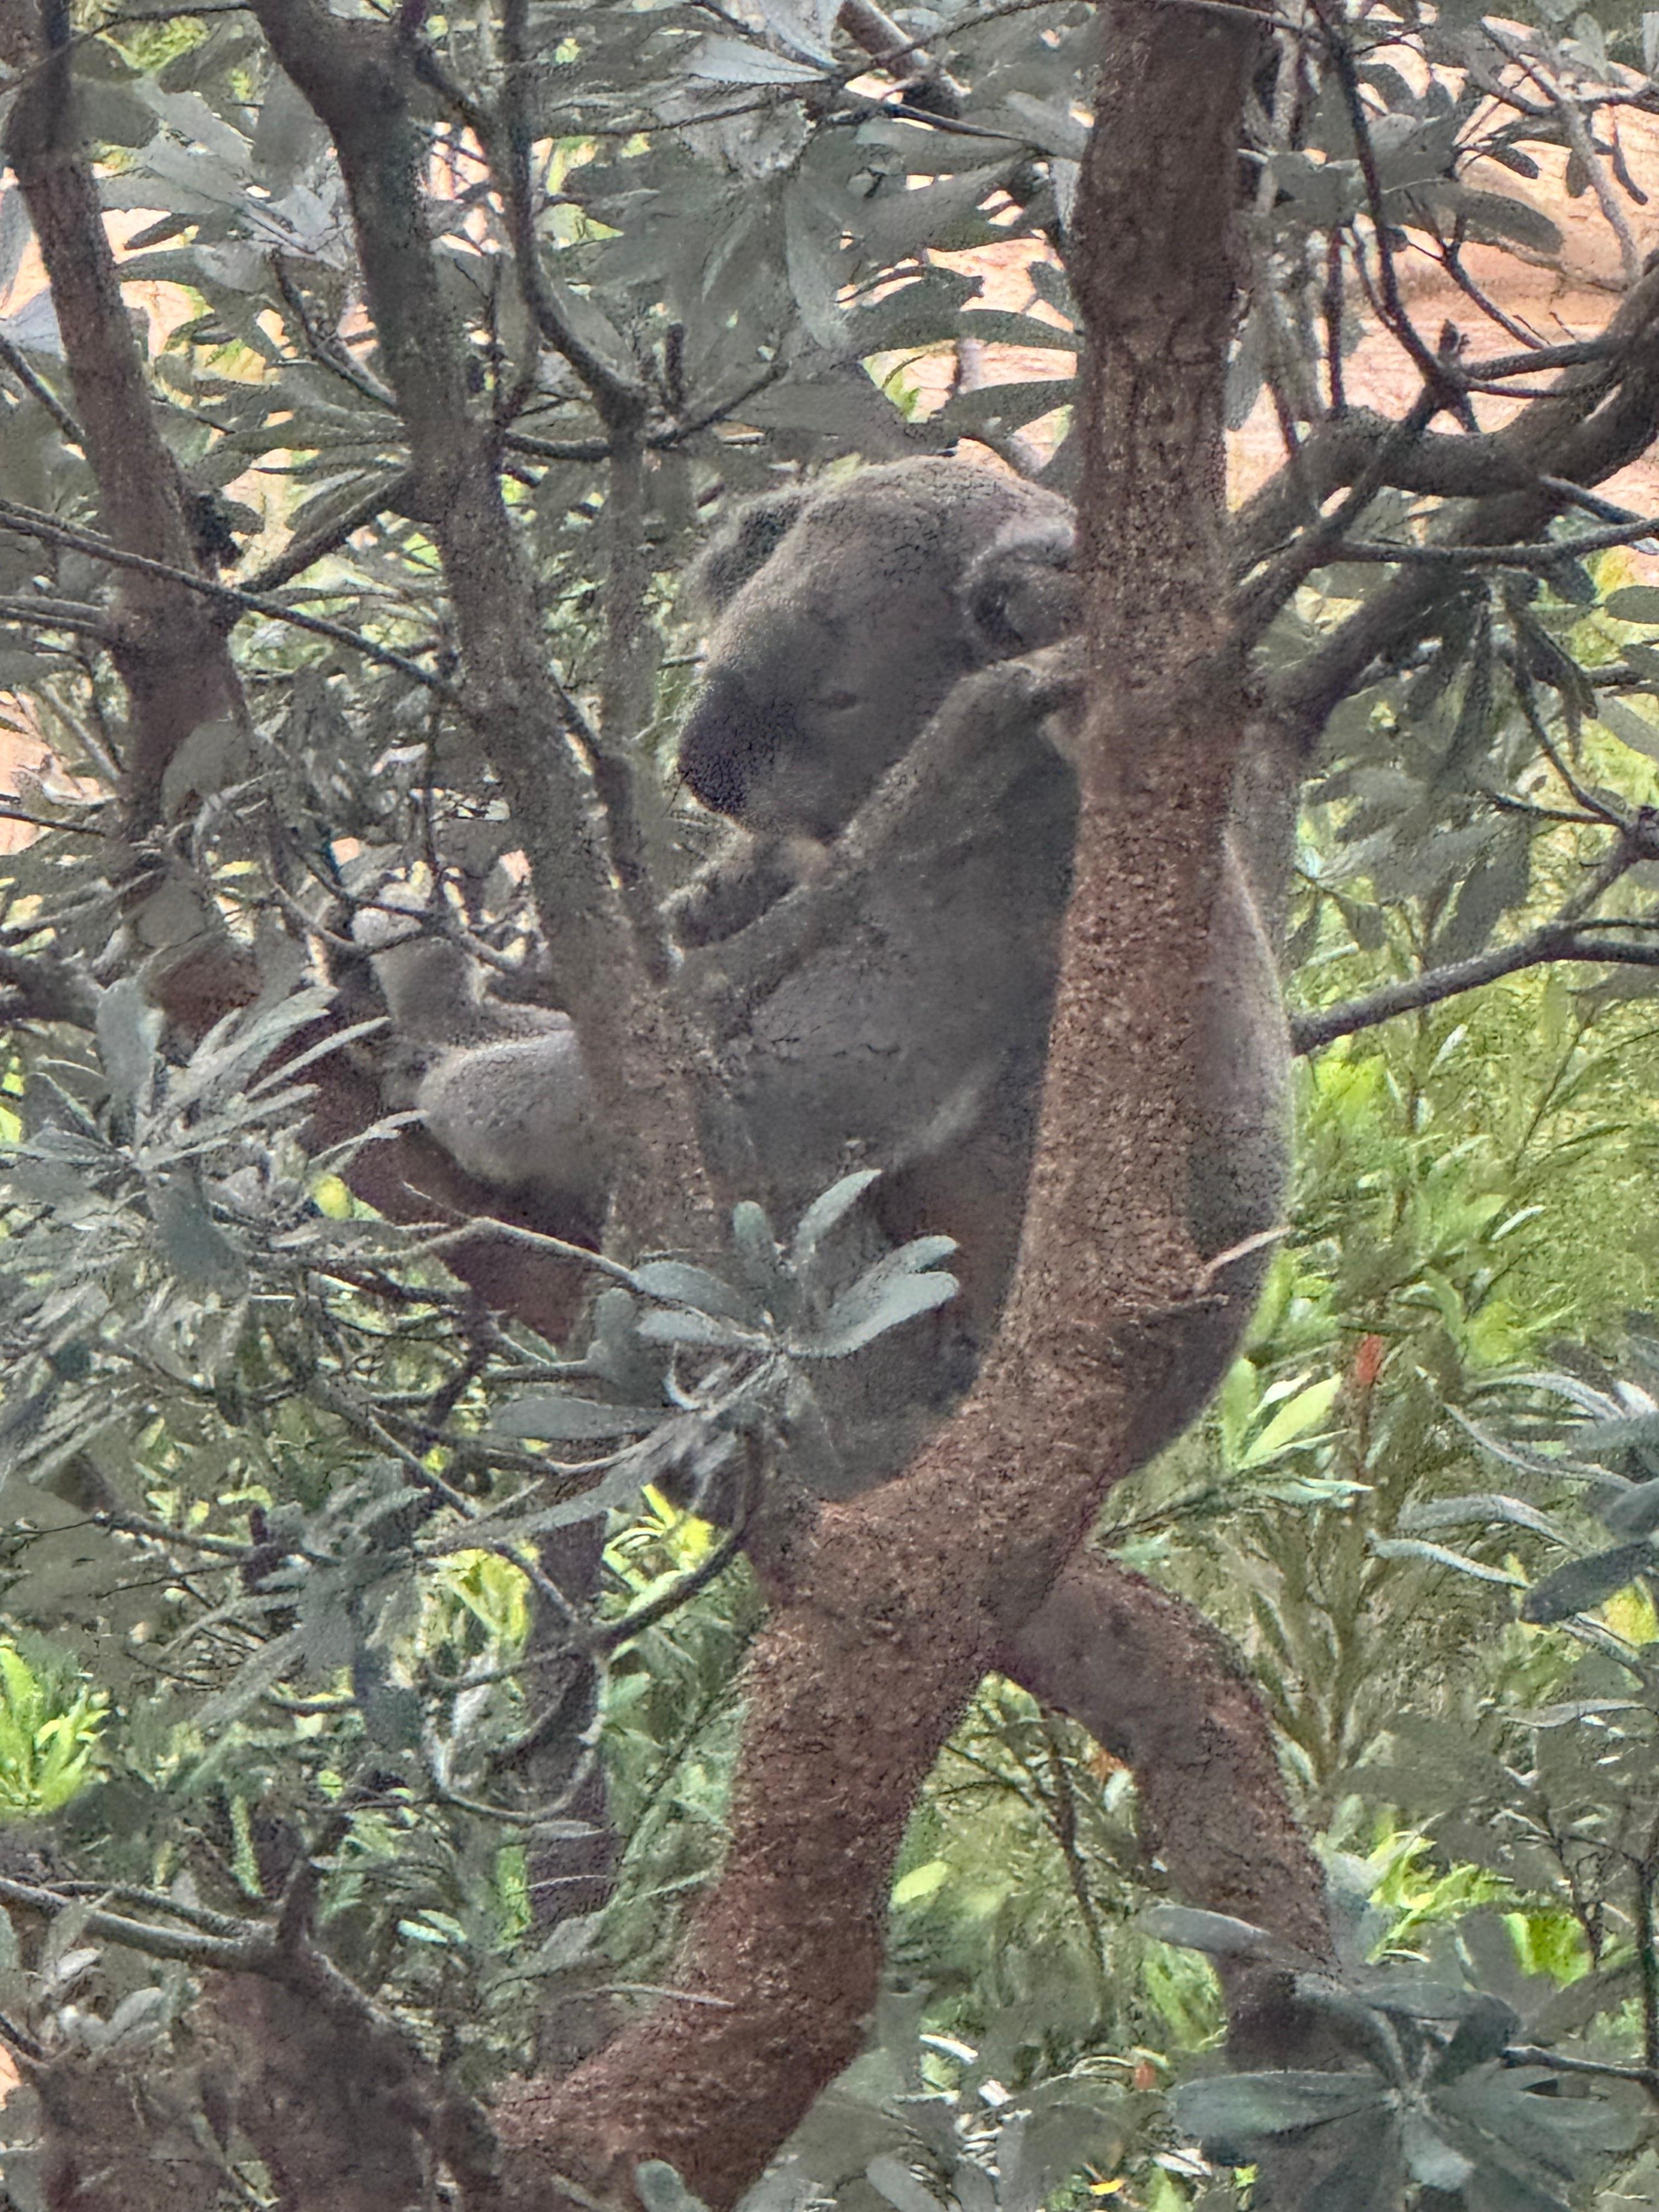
739 883
1011 693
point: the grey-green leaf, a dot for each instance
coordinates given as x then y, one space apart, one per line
556 1419
1243 2111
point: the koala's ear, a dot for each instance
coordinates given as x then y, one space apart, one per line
1021 593
741 546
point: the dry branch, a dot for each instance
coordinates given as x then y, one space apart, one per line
1602 413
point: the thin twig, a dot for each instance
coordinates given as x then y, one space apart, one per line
32 382
29 522
57 614
302 553
1313 1032
1432 370
1542 557
1533 2054
1578 138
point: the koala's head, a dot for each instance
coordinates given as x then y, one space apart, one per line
845 615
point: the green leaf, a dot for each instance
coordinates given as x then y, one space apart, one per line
870 1309
1483 1506
128 1027
1216 1933
825 1213
1633 602
257 1674
817 263
891 2178
680 1325
1554 2134
1010 406
926 312
899 1287
1633 1513
554 1418
1481 2035
996 326
661 2189
804 26
1496 885
1301 1413
1245 2110
1583 1584
1429 2157
897 225
922 1883
678 1282
1491 218
1631 728
760 1259
1550 662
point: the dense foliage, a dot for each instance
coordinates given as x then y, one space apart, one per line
293 1520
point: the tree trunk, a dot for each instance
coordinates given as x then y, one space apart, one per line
893 1605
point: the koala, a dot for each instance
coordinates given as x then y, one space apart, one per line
877 941
501 1087
913 1038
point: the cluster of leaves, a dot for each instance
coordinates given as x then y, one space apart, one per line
1438 2092
263 1470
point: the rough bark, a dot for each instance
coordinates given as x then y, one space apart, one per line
893 1605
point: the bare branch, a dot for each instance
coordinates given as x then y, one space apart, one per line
1602 414
302 553
17 362
1542 557
42 613
246 1952
1348 447
1554 941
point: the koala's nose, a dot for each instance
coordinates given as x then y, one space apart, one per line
730 739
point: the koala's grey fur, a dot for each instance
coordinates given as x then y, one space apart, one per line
884 921
913 1038
501 1087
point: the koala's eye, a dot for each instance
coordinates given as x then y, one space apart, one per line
838 702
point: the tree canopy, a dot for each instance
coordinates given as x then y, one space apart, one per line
447 1755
